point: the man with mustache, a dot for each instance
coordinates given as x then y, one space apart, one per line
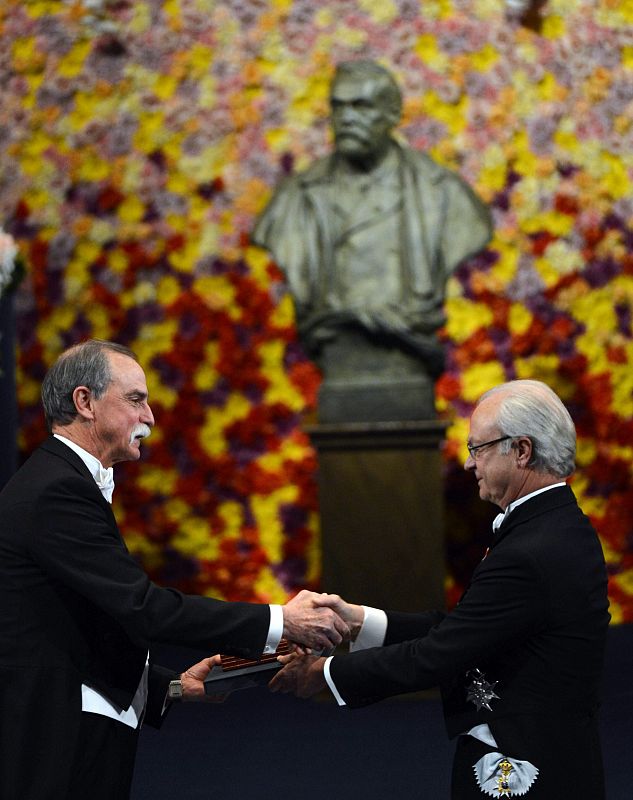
78 616
367 238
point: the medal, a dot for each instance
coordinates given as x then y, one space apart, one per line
480 692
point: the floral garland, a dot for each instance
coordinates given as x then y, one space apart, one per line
138 142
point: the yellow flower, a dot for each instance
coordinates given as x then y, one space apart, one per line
194 538
458 432
554 222
232 514
28 390
381 11
43 8
586 451
485 58
284 314
615 609
176 509
217 292
615 178
466 317
167 290
158 392
493 173
553 27
519 319
595 310
154 338
27 55
622 383
627 50
137 543
157 479
266 512
324 17
186 258
479 378
551 91
505 268
624 581
541 368
268 588
206 376
453 115
99 317
216 419
92 167
151 132
131 209
72 63
280 389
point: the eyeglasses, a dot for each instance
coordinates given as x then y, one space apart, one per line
474 449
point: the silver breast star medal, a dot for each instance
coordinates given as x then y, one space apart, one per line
480 692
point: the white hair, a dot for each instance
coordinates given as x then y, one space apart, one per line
532 409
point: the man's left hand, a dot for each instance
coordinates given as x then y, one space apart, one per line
301 675
193 682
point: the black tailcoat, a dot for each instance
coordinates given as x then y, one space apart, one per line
76 608
533 620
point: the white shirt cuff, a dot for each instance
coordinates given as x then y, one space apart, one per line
372 634
330 682
275 630
373 630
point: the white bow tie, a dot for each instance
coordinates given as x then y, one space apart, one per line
498 520
105 481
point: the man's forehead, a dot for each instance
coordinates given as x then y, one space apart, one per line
484 417
127 372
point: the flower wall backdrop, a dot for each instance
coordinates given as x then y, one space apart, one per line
139 140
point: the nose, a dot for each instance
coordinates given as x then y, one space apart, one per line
148 416
469 464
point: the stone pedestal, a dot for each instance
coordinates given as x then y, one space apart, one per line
368 379
381 512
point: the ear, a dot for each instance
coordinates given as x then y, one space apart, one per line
523 448
83 400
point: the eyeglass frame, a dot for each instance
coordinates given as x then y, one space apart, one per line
474 448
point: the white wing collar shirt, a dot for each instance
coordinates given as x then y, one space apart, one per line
91 700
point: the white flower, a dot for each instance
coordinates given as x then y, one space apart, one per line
8 252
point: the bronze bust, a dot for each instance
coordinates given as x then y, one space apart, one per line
367 238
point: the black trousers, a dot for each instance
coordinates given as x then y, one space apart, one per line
104 760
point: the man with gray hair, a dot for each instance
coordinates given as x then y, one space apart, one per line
519 659
78 616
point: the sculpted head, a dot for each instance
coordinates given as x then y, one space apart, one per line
366 105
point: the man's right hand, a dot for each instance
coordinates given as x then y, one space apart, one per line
310 622
352 615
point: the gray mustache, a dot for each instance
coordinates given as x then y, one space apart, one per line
140 431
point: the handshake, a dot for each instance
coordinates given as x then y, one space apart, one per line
313 623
